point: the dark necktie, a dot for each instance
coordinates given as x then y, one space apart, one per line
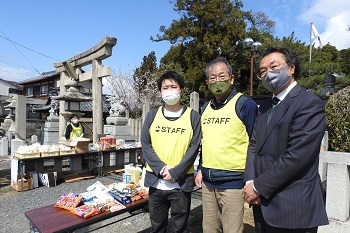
274 101
272 109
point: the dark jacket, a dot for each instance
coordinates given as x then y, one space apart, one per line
283 159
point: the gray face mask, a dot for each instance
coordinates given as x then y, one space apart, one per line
275 79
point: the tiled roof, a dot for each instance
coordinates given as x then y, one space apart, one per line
35 101
45 75
87 106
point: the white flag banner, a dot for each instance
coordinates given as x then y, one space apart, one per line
315 35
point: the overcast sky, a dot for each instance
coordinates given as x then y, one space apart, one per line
54 31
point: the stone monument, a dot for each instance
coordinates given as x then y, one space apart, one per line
51 134
117 122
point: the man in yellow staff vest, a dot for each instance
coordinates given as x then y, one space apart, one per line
74 128
227 123
170 141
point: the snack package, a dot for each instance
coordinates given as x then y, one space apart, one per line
68 201
85 211
115 206
120 197
97 204
100 191
87 196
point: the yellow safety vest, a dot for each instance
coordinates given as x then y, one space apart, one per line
171 138
225 139
77 131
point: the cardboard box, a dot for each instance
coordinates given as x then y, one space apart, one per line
67 152
27 184
48 179
82 147
49 153
28 155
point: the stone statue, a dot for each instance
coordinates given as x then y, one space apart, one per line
54 107
117 109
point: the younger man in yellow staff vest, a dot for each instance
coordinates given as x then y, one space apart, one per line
170 140
227 123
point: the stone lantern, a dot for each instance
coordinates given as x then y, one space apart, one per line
72 98
328 90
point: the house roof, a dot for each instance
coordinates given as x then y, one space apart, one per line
87 106
44 75
36 101
11 84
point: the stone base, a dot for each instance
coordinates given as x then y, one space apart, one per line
53 119
117 121
116 130
335 227
52 124
51 137
121 132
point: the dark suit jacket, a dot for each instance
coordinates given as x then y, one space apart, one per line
283 160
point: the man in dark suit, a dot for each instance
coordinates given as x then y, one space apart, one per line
281 175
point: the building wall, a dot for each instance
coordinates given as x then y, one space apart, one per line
4 90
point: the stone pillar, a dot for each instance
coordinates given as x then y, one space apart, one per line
145 108
21 116
15 168
51 130
337 204
338 192
322 169
194 101
62 119
97 114
4 146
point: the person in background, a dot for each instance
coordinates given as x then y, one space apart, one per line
282 179
170 140
74 129
227 122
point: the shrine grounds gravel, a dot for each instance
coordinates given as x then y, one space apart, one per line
13 204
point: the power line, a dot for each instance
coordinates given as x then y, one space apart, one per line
13 44
27 47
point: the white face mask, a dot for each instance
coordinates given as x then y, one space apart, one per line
75 121
171 97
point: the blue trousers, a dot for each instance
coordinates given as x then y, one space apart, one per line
159 203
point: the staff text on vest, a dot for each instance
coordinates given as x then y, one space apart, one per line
216 120
165 129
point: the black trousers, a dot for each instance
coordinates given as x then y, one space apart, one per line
159 203
262 227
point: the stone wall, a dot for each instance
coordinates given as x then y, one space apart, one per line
337 171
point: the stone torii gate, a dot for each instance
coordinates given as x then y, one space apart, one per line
71 69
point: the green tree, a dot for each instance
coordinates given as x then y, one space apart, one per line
344 60
205 30
338 120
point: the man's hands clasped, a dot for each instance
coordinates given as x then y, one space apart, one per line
166 175
251 196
